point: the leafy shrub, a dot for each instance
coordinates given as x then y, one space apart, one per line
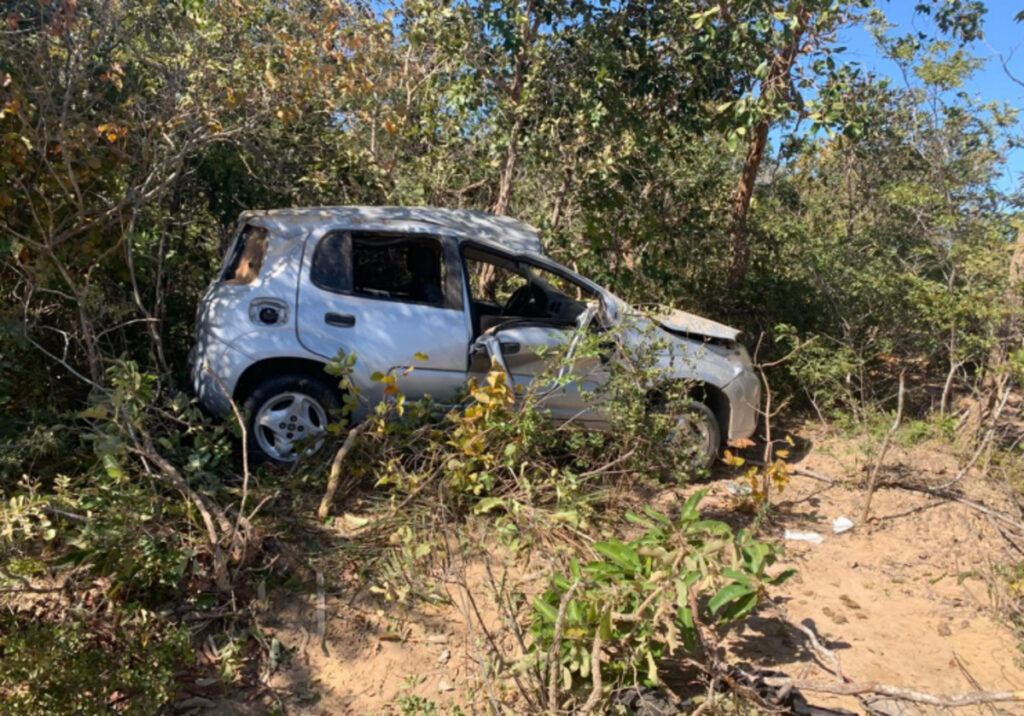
86 666
497 442
637 601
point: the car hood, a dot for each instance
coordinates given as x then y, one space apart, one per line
683 322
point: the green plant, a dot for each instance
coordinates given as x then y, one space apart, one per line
88 665
646 600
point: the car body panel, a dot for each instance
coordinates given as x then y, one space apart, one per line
694 325
529 351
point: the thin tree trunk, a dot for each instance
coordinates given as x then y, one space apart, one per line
778 83
739 244
508 170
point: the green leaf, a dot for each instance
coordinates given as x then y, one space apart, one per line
736 575
741 607
727 594
113 468
487 504
547 612
690 512
782 577
605 626
636 519
655 515
619 553
689 631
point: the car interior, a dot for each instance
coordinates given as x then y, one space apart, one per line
504 292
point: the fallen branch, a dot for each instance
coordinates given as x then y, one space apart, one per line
813 475
853 688
942 494
206 511
823 653
597 686
335 477
554 660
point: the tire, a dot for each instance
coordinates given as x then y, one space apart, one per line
288 417
698 422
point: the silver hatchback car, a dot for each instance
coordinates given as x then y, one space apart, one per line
446 290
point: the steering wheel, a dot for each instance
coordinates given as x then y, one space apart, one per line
528 301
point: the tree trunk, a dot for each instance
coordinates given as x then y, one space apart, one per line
739 245
508 170
777 84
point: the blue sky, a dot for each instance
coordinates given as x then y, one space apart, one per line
1001 36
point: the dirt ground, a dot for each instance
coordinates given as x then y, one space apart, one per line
904 600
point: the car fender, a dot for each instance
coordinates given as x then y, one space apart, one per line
274 343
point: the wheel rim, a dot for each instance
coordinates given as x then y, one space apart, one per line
693 433
289 422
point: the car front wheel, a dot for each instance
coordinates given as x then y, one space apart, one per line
697 432
288 417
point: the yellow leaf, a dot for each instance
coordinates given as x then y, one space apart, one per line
782 453
735 460
741 443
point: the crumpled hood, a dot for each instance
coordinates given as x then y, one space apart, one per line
676 320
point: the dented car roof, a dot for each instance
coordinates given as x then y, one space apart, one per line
504 231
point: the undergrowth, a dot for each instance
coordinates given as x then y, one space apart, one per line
156 531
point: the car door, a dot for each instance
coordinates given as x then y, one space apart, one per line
393 299
531 346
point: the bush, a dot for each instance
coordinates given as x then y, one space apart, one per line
87 666
645 601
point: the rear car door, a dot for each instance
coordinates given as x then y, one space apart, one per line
394 300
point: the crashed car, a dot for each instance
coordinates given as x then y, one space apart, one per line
449 291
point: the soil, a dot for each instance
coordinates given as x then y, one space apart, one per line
910 599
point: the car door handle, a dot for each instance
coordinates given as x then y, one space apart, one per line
342 320
510 348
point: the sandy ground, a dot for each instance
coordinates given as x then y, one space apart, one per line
903 601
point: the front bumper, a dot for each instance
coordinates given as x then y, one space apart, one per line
744 394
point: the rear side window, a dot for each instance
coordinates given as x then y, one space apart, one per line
330 269
388 266
406 268
247 256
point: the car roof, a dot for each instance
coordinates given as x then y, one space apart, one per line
465 224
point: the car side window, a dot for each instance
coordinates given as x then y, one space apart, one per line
491 282
405 268
330 269
247 258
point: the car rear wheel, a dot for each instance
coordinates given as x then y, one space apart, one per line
288 417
